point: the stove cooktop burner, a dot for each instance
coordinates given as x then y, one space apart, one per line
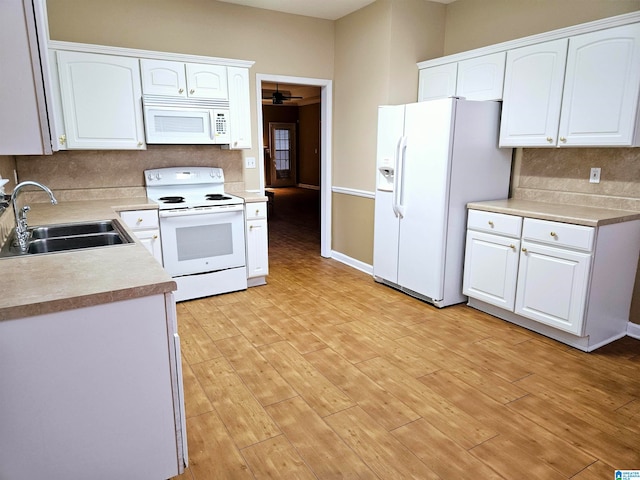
171 199
216 196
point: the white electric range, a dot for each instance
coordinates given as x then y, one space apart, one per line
201 229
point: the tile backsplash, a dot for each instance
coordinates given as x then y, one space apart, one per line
96 174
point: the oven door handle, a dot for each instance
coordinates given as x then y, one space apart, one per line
200 211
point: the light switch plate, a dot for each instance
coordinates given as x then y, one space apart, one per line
594 176
250 162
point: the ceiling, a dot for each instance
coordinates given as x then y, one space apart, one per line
327 9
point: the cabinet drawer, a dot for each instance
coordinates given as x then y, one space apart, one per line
140 219
559 234
497 223
256 210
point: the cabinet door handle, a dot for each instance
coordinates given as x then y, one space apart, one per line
490 223
181 90
155 237
250 227
524 250
139 220
62 139
554 234
549 139
192 91
563 139
512 246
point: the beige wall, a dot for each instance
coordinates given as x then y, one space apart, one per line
280 44
377 49
477 23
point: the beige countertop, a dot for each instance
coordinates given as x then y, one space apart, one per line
251 197
38 284
578 215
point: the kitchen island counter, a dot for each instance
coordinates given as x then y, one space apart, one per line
575 214
47 283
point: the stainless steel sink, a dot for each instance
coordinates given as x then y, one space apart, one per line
71 229
66 237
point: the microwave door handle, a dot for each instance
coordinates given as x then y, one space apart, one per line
212 128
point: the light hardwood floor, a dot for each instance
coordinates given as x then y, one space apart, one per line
323 373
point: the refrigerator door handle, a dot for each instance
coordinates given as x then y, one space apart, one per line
396 175
398 180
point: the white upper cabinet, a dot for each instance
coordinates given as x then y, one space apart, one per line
581 91
478 78
193 80
24 126
437 82
601 87
239 107
532 94
101 101
161 77
481 78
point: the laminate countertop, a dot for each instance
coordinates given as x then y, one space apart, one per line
575 214
47 283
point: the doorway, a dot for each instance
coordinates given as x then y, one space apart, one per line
326 100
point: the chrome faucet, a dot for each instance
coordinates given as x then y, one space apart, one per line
22 234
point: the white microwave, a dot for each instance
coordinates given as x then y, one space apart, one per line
197 123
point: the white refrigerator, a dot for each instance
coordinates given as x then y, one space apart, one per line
433 158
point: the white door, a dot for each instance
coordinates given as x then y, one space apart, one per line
437 82
161 77
101 101
257 248
552 286
424 187
207 81
491 268
386 222
600 98
534 77
239 107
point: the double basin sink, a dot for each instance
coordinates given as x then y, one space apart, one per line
68 236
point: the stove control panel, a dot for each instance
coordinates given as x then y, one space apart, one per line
184 176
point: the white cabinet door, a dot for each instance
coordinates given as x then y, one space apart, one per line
534 77
437 82
552 286
207 81
481 78
239 107
257 248
151 241
491 268
161 77
101 101
23 112
601 88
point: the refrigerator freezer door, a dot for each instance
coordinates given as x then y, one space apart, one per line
424 193
386 220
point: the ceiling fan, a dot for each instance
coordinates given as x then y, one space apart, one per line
278 97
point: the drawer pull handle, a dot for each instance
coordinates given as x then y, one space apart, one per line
139 220
250 227
257 211
554 234
512 246
524 250
490 223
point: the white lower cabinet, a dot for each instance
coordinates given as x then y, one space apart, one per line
570 282
257 243
97 393
146 227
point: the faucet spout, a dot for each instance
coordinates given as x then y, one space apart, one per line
22 233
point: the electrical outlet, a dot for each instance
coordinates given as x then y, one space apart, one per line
594 176
250 162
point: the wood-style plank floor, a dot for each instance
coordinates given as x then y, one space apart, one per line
325 374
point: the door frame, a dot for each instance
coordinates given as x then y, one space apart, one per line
326 127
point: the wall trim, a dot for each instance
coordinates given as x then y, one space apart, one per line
633 330
352 262
566 32
153 54
354 192
308 187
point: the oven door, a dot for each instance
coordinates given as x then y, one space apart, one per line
200 240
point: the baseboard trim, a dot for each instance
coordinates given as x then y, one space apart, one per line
352 262
633 330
